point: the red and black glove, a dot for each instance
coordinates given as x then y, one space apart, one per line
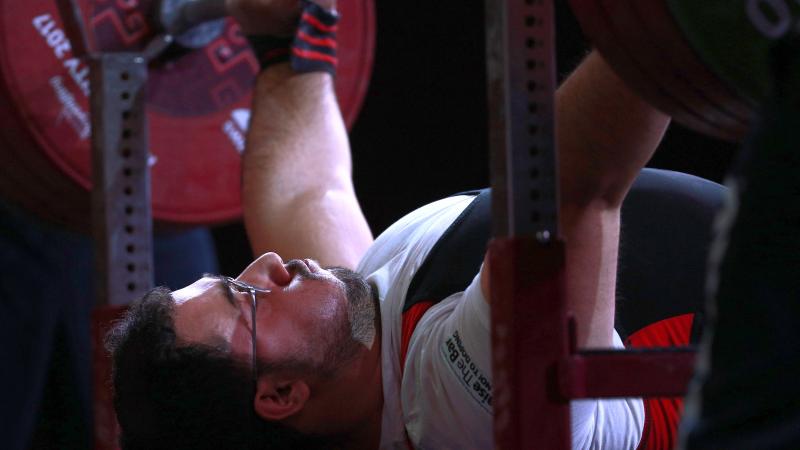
313 47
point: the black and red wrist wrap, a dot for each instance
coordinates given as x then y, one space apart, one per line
313 47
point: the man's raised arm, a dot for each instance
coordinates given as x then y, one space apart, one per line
297 193
606 134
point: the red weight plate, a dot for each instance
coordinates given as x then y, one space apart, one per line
31 181
592 20
669 77
357 28
197 101
658 22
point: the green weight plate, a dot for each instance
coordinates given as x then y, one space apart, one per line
671 78
733 37
593 21
672 45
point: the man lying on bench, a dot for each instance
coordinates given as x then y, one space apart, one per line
317 352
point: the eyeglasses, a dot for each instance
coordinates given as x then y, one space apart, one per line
251 290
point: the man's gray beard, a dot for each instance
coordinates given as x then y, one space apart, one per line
361 306
347 336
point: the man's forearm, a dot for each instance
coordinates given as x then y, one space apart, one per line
297 190
606 134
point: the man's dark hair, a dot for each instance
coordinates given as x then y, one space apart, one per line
171 395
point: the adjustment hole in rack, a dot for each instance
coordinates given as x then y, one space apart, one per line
531 86
131 287
533 108
131 267
535 217
125 95
530 64
129 229
124 76
126 115
535 195
130 248
127 171
530 21
533 150
534 172
533 129
126 152
127 133
530 42
128 209
127 190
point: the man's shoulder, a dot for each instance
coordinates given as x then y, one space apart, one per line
413 235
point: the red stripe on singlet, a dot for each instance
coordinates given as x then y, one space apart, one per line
410 319
662 414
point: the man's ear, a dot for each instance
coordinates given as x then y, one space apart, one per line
277 399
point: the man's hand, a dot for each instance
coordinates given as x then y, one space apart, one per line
269 17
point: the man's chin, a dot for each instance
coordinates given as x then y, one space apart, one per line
362 310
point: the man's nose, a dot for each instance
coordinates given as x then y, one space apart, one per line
266 271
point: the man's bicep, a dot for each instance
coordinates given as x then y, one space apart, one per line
297 192
325 225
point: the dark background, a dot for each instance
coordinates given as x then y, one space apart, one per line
422 131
